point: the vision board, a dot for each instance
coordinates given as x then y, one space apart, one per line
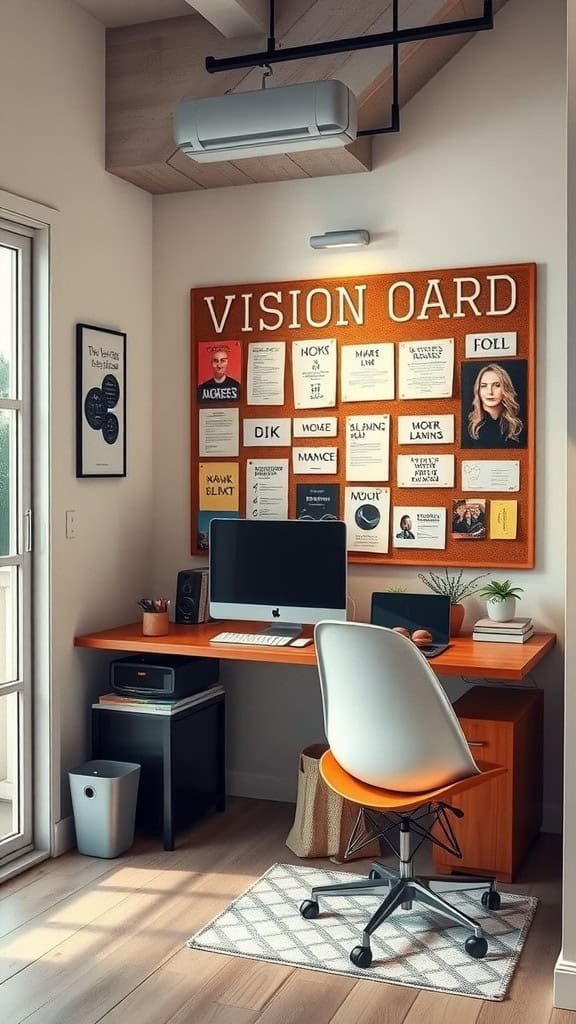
402 403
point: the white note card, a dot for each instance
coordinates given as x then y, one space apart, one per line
426 368
488 346
218 432
367 372
267 489
315 460
491 475
367 447
264 433
426 429
419 527
425 471
315 426
265 377
314 373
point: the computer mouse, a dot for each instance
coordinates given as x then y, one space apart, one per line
301 642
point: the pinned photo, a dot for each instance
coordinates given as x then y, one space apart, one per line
219 371
494 404
469 519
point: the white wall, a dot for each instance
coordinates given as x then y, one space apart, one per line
565 974
476 176
52 150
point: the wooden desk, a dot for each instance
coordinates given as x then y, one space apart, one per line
464 657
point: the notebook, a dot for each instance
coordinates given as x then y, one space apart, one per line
415 611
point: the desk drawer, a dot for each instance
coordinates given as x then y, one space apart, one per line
490 741
501 817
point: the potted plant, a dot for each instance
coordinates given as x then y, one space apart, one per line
456 589
501 599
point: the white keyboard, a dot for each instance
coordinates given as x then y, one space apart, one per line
260 639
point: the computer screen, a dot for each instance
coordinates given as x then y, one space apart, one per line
277 570
413 611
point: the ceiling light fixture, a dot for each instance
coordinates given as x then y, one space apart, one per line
341 239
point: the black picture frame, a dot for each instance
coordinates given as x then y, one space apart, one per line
100 401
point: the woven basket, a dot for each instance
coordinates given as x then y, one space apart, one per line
323 820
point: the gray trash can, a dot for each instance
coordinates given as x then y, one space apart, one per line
104 795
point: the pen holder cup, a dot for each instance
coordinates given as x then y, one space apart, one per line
155 623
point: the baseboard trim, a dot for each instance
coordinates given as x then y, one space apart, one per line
63 836
261 787
565 984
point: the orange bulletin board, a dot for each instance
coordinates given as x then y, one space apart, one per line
495 305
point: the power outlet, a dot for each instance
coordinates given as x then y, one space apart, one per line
72 524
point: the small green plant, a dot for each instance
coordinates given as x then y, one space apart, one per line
395 590
453 587
499 590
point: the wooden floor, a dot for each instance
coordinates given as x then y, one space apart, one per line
86 940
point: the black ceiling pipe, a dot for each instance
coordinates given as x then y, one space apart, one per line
396 37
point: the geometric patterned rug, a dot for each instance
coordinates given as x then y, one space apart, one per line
414 947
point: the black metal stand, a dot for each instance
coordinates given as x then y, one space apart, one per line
182 758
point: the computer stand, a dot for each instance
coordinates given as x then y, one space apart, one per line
291 629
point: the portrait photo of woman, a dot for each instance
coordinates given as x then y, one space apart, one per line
494 404
405 531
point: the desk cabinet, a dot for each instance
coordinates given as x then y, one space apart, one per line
182 759
502 817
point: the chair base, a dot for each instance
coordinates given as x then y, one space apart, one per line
403 891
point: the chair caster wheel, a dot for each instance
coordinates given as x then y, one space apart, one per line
361 956
372 874
491 899
476 947
309 909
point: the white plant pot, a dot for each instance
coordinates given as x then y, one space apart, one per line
501 611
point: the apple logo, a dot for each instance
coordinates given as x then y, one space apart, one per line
276 613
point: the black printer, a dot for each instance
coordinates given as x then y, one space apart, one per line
163 676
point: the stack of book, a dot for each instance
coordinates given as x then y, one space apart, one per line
514 631
151 706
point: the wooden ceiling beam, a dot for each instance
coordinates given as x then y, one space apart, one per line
235 19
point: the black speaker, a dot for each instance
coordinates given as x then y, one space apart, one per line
192 596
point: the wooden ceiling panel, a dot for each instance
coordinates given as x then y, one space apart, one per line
271 168
157 178
217 175
152 66
320 162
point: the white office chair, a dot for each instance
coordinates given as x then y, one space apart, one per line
398 752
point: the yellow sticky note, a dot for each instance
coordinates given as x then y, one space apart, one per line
219 486
503 520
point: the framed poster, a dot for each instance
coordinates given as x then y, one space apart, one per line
100 401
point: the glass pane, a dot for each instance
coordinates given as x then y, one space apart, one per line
9 774
8 320
8 624
8 469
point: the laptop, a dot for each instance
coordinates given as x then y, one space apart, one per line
415 611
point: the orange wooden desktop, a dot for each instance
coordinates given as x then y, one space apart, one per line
464 657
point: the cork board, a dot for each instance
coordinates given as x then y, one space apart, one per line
495 305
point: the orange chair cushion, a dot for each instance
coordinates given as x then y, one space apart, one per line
386 799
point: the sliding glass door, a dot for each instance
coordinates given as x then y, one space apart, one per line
15 543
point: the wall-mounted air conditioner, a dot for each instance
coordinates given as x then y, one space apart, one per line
311 115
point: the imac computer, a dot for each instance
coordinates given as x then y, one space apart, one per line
285 572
